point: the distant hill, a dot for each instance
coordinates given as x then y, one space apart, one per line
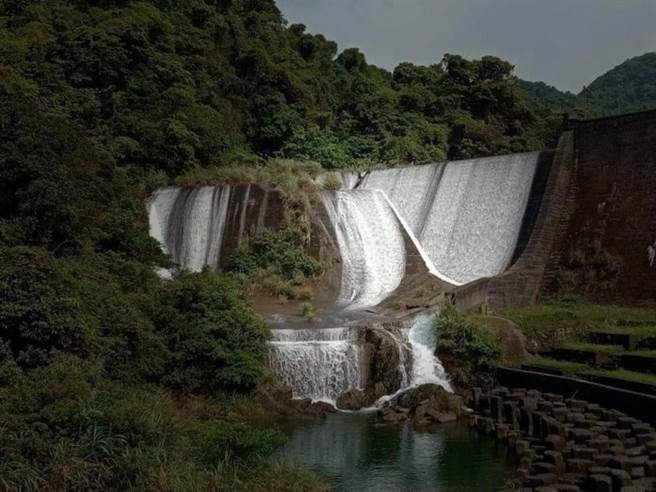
629 87
548 96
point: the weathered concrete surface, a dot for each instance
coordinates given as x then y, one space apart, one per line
522 282
609 250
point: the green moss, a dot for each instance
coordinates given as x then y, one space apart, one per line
558 365
568 319
638 377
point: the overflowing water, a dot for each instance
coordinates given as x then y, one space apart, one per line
317 363
371 245
426 367
323 363
189 223
466 214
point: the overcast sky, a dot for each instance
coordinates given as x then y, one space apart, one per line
566 43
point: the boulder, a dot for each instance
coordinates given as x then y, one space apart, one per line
384 376
352 399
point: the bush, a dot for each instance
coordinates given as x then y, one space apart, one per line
469 353
216 340
332 181
238 441
308 311
276 251
65 427
39 313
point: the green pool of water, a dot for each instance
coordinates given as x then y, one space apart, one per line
354 453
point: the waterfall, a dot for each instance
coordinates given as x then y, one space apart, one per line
317 363
371 245
189 223
426 367
466 214
323 363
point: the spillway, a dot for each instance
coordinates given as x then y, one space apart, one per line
465 214
371 245
189 223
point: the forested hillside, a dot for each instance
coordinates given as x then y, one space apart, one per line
626 88
629 87
110 378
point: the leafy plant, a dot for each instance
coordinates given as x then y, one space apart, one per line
469 352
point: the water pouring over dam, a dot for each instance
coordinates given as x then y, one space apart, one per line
467 214
463 219
371 245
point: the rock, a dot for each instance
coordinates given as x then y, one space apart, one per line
384 362
320 409
352 399
578 465
620 479
392 416
601 483
540 480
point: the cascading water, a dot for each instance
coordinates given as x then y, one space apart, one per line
466 215
317 363
371 245
189 223
323 363
426 367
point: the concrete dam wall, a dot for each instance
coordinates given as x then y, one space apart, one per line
608 250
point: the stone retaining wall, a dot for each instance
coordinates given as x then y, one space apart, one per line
568 444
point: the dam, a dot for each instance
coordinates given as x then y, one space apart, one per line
463 219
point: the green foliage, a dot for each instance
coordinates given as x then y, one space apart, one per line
39 313
563 319
470 352
64 427
332 181
627 88
215 338
238 441
276 251
308 311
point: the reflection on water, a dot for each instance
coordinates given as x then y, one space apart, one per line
354 453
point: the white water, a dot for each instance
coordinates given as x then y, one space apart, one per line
465 214
323 363
189 223
426 367
319 364
371 245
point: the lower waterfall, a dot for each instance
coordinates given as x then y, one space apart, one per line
323 363
425 366
317 363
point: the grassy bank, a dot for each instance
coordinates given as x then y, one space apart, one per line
588 340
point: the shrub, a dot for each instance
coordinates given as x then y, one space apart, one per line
237 441
216 340
332 181
276 251
308 311
469 352
39 313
